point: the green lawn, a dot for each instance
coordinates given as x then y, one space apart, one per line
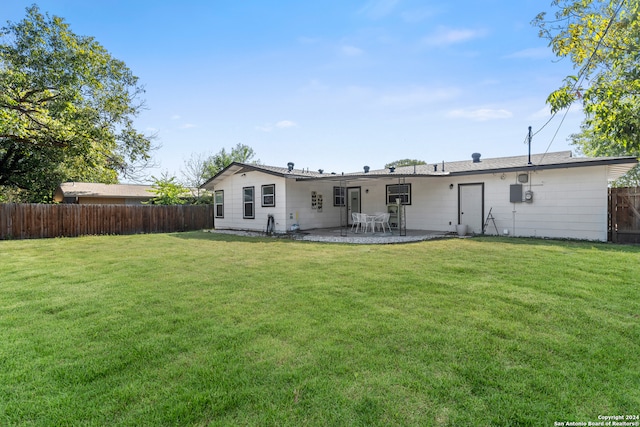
202 329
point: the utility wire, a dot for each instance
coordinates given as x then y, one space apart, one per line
581 76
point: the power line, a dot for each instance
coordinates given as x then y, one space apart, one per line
581 76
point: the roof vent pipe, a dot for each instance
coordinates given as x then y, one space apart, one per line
366 169
476 157
435 167
392 169
290 166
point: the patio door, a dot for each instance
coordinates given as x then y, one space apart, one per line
353 202
471 206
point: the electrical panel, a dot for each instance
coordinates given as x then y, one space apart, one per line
515 193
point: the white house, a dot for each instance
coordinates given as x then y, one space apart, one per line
551 195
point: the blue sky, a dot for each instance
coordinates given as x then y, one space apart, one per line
333 84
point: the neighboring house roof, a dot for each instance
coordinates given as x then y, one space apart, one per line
91 189
557 160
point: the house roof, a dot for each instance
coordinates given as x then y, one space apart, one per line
557 160
236 167
92 189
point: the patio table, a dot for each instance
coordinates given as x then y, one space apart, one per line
370 220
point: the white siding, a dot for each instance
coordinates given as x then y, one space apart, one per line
567 203
299 205
233 203
293 203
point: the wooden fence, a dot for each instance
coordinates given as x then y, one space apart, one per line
624 215
34 221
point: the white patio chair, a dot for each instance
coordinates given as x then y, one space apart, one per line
357 221
382 220
369 221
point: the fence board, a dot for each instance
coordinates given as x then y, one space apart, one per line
624 215
32 221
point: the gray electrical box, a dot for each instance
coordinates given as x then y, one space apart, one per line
515 193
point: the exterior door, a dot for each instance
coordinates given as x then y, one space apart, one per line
353 202
471 206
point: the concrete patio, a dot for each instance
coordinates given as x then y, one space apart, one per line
333 235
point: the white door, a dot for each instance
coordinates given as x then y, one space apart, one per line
471 206
353 202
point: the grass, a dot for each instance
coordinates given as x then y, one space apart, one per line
203 329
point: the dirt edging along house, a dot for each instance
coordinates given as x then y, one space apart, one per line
554 195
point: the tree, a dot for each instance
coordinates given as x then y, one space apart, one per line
66 108
240 153
168 191
602 40
405 162
194 172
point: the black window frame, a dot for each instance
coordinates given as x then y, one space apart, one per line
217 204
339 196
263 196
251 202
405 198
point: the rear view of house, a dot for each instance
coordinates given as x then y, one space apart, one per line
553 195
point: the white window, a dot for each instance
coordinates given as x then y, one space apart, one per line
248 201
269 195
399 191
218 203
338 196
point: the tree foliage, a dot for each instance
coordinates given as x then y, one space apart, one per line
602 40
405 162
240 153
168 191
66 108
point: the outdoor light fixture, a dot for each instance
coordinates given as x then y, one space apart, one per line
450 186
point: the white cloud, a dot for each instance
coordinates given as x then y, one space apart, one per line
447 36
315 85
351 50
308 40
188 126
417 15
480 114
532 53
377 9
541 114
417 96
176 117
282 124
544 113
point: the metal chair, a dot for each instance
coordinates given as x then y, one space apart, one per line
369 221
357 220
382 220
